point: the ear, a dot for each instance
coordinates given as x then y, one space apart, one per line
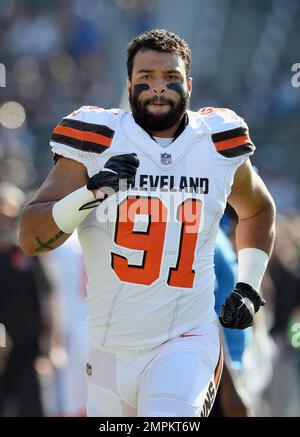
129 86
190 84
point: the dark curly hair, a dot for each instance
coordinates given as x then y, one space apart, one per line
162 41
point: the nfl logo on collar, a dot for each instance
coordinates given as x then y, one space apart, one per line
165 158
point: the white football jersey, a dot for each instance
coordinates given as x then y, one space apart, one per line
149 251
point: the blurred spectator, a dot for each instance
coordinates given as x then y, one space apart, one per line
70 340
23 310
284 392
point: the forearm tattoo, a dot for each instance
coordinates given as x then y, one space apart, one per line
48 245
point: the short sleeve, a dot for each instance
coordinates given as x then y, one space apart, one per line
229 132
77 138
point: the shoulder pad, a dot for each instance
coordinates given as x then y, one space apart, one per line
89 129
229 131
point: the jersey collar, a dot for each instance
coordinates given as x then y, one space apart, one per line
190 131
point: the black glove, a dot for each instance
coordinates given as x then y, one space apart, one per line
116 168
240 307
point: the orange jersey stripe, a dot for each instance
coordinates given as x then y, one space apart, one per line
233 142
219 368
83 135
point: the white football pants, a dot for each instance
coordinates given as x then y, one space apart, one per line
179 378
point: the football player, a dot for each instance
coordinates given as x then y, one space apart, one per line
146 190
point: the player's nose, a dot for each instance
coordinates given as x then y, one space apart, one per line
159 87
158 90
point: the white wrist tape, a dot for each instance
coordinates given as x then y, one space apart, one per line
66 212
252 266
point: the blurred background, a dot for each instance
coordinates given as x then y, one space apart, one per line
59 55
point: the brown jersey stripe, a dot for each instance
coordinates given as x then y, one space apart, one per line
85 146
83 135
229 134
238 151
90 127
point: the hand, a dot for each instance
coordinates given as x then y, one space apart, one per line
117 168
240 307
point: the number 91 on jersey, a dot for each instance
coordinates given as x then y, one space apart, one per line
153 224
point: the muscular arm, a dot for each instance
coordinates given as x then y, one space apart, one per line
255 209
38 231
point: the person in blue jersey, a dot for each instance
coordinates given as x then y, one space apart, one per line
228 401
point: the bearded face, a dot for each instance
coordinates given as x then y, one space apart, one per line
159 91
158 112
